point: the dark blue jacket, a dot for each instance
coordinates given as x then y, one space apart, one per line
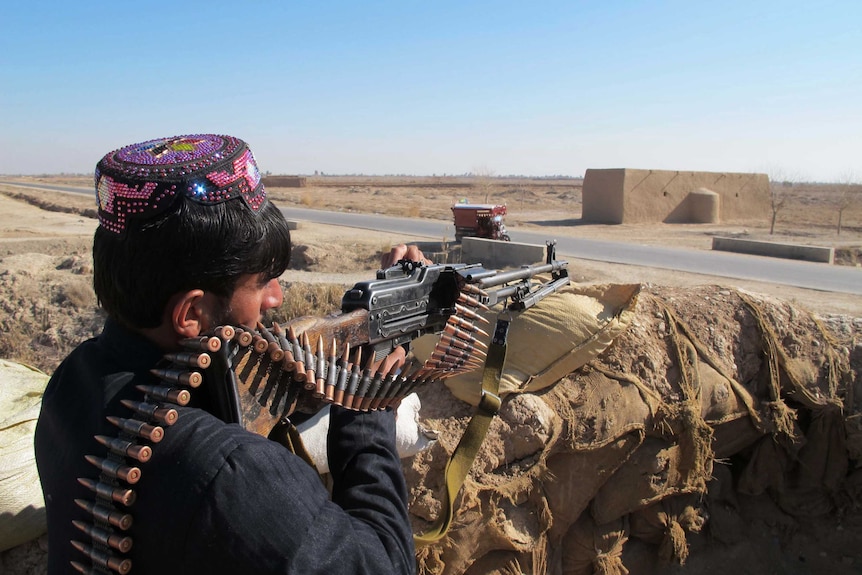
215 498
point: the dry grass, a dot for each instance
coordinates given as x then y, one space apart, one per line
303 299
79 204
310 200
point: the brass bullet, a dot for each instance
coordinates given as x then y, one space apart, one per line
472 302
202 343
320 383
121 495
331 373
276 354
225 332
128 474
310 362
141 453
190 359
122 543
163 415
121 565
470 288
153 433
465 325
108 514
288 363
470 314
182 377
172 394
243 337
298 356
343 373
353 383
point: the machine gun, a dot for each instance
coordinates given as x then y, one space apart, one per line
263 374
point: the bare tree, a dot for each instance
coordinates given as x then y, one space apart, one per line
778 199
845 195
780 187
483 182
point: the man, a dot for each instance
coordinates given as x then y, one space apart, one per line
187 241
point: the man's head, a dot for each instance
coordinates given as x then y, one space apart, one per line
185 228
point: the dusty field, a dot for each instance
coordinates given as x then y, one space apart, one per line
809 216
48 306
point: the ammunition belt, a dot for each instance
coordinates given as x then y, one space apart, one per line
272 372
279 372
120 470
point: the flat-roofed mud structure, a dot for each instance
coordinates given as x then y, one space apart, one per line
626 196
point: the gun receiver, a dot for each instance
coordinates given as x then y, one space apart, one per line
409 299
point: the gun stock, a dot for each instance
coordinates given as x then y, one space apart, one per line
344 328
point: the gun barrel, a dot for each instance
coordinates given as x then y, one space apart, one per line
515 275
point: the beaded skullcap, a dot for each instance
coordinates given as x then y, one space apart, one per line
143 180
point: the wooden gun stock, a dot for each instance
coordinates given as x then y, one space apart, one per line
343 328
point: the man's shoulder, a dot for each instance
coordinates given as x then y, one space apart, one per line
200 451
202 437
85 349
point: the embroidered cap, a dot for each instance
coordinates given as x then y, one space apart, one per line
143 180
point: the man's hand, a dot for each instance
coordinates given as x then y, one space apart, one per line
403 252
395 360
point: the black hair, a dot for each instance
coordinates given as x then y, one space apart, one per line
191 246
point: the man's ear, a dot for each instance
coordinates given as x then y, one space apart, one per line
187 313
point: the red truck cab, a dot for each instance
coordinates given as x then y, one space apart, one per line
480 221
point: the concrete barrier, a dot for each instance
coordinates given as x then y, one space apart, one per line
775 250
494 254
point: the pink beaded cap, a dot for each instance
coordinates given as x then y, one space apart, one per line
143 180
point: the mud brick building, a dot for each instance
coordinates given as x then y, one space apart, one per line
621 195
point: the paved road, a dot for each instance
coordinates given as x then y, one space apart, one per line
52 187
808 275
723 264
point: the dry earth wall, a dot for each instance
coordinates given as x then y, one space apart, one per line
621 195
284 181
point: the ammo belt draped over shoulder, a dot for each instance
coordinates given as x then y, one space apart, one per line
256 378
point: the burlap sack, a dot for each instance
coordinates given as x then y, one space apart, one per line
717 374
22 508
552 339
594 549
666 523
657 469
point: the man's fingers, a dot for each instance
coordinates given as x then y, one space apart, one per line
403 252
394 360
414 254
395 254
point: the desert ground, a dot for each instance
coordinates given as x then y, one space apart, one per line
48 304
808 216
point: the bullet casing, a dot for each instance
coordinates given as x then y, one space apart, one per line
109 515
122 543
122 495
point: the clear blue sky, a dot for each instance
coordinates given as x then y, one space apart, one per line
533 88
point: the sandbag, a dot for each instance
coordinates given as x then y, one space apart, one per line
594 549
666 523
551 339
655 470
573 479
22 507
695 376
